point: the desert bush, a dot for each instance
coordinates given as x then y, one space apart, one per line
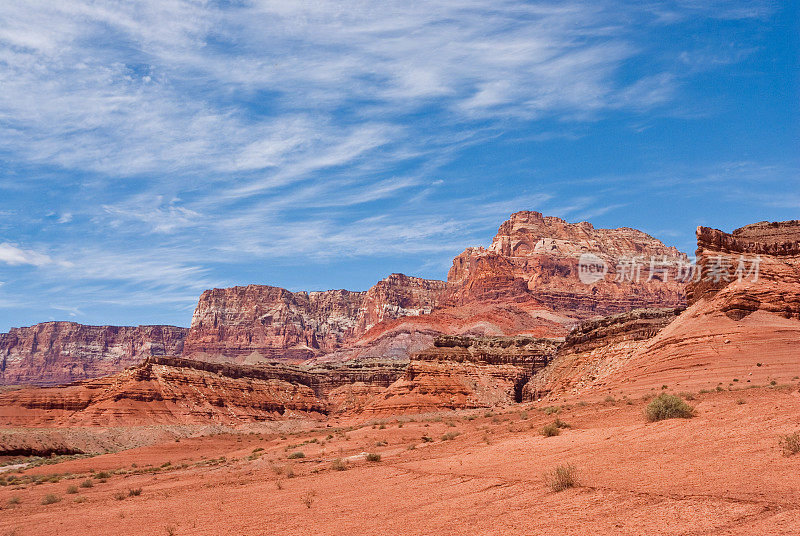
134 492
338 465
790 443
87 483
102 475
551 410
550 430
373 457
562 477
120 495
666 406
50 499
14 500
449 436
308 498
296 455
610 398
72 490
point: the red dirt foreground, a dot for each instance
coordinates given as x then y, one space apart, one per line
721 472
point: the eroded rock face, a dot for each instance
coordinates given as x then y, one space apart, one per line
537 257
466 372
736 332
52 353
173 390
259 323
756 267
595 349
526 282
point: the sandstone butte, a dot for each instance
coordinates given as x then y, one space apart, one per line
511 342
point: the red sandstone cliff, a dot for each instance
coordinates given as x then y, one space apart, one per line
526 282
737 331
537 257
61 352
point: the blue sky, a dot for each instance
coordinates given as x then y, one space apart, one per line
151 150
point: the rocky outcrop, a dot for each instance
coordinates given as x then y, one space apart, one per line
740 329
174 390
597 348
527 282
52 353
466 372
539 257
257 323
756 267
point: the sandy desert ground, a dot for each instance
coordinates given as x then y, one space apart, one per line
477 472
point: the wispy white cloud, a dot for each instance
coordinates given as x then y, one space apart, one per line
203 133
14 255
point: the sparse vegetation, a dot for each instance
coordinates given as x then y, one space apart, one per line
611 399
296 455
790 443
308 498
373 457
120 495
72 490
134 492
550 430
14 500
50 499
338 465
449 436
561 477
551 410
666 406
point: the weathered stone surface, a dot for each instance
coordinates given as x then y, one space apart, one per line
595 349
535 257
736 332
173 390
61 352
466 372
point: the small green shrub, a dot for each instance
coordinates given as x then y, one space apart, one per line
550 430
50 499
790 443
562 477
296 455
666 406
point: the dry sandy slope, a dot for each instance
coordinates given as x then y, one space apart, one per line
719 473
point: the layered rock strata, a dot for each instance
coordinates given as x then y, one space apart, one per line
52 353
597 348
466 372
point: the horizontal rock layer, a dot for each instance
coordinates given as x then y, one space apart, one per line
61 352
466 372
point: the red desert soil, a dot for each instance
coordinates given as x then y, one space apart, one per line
719 473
